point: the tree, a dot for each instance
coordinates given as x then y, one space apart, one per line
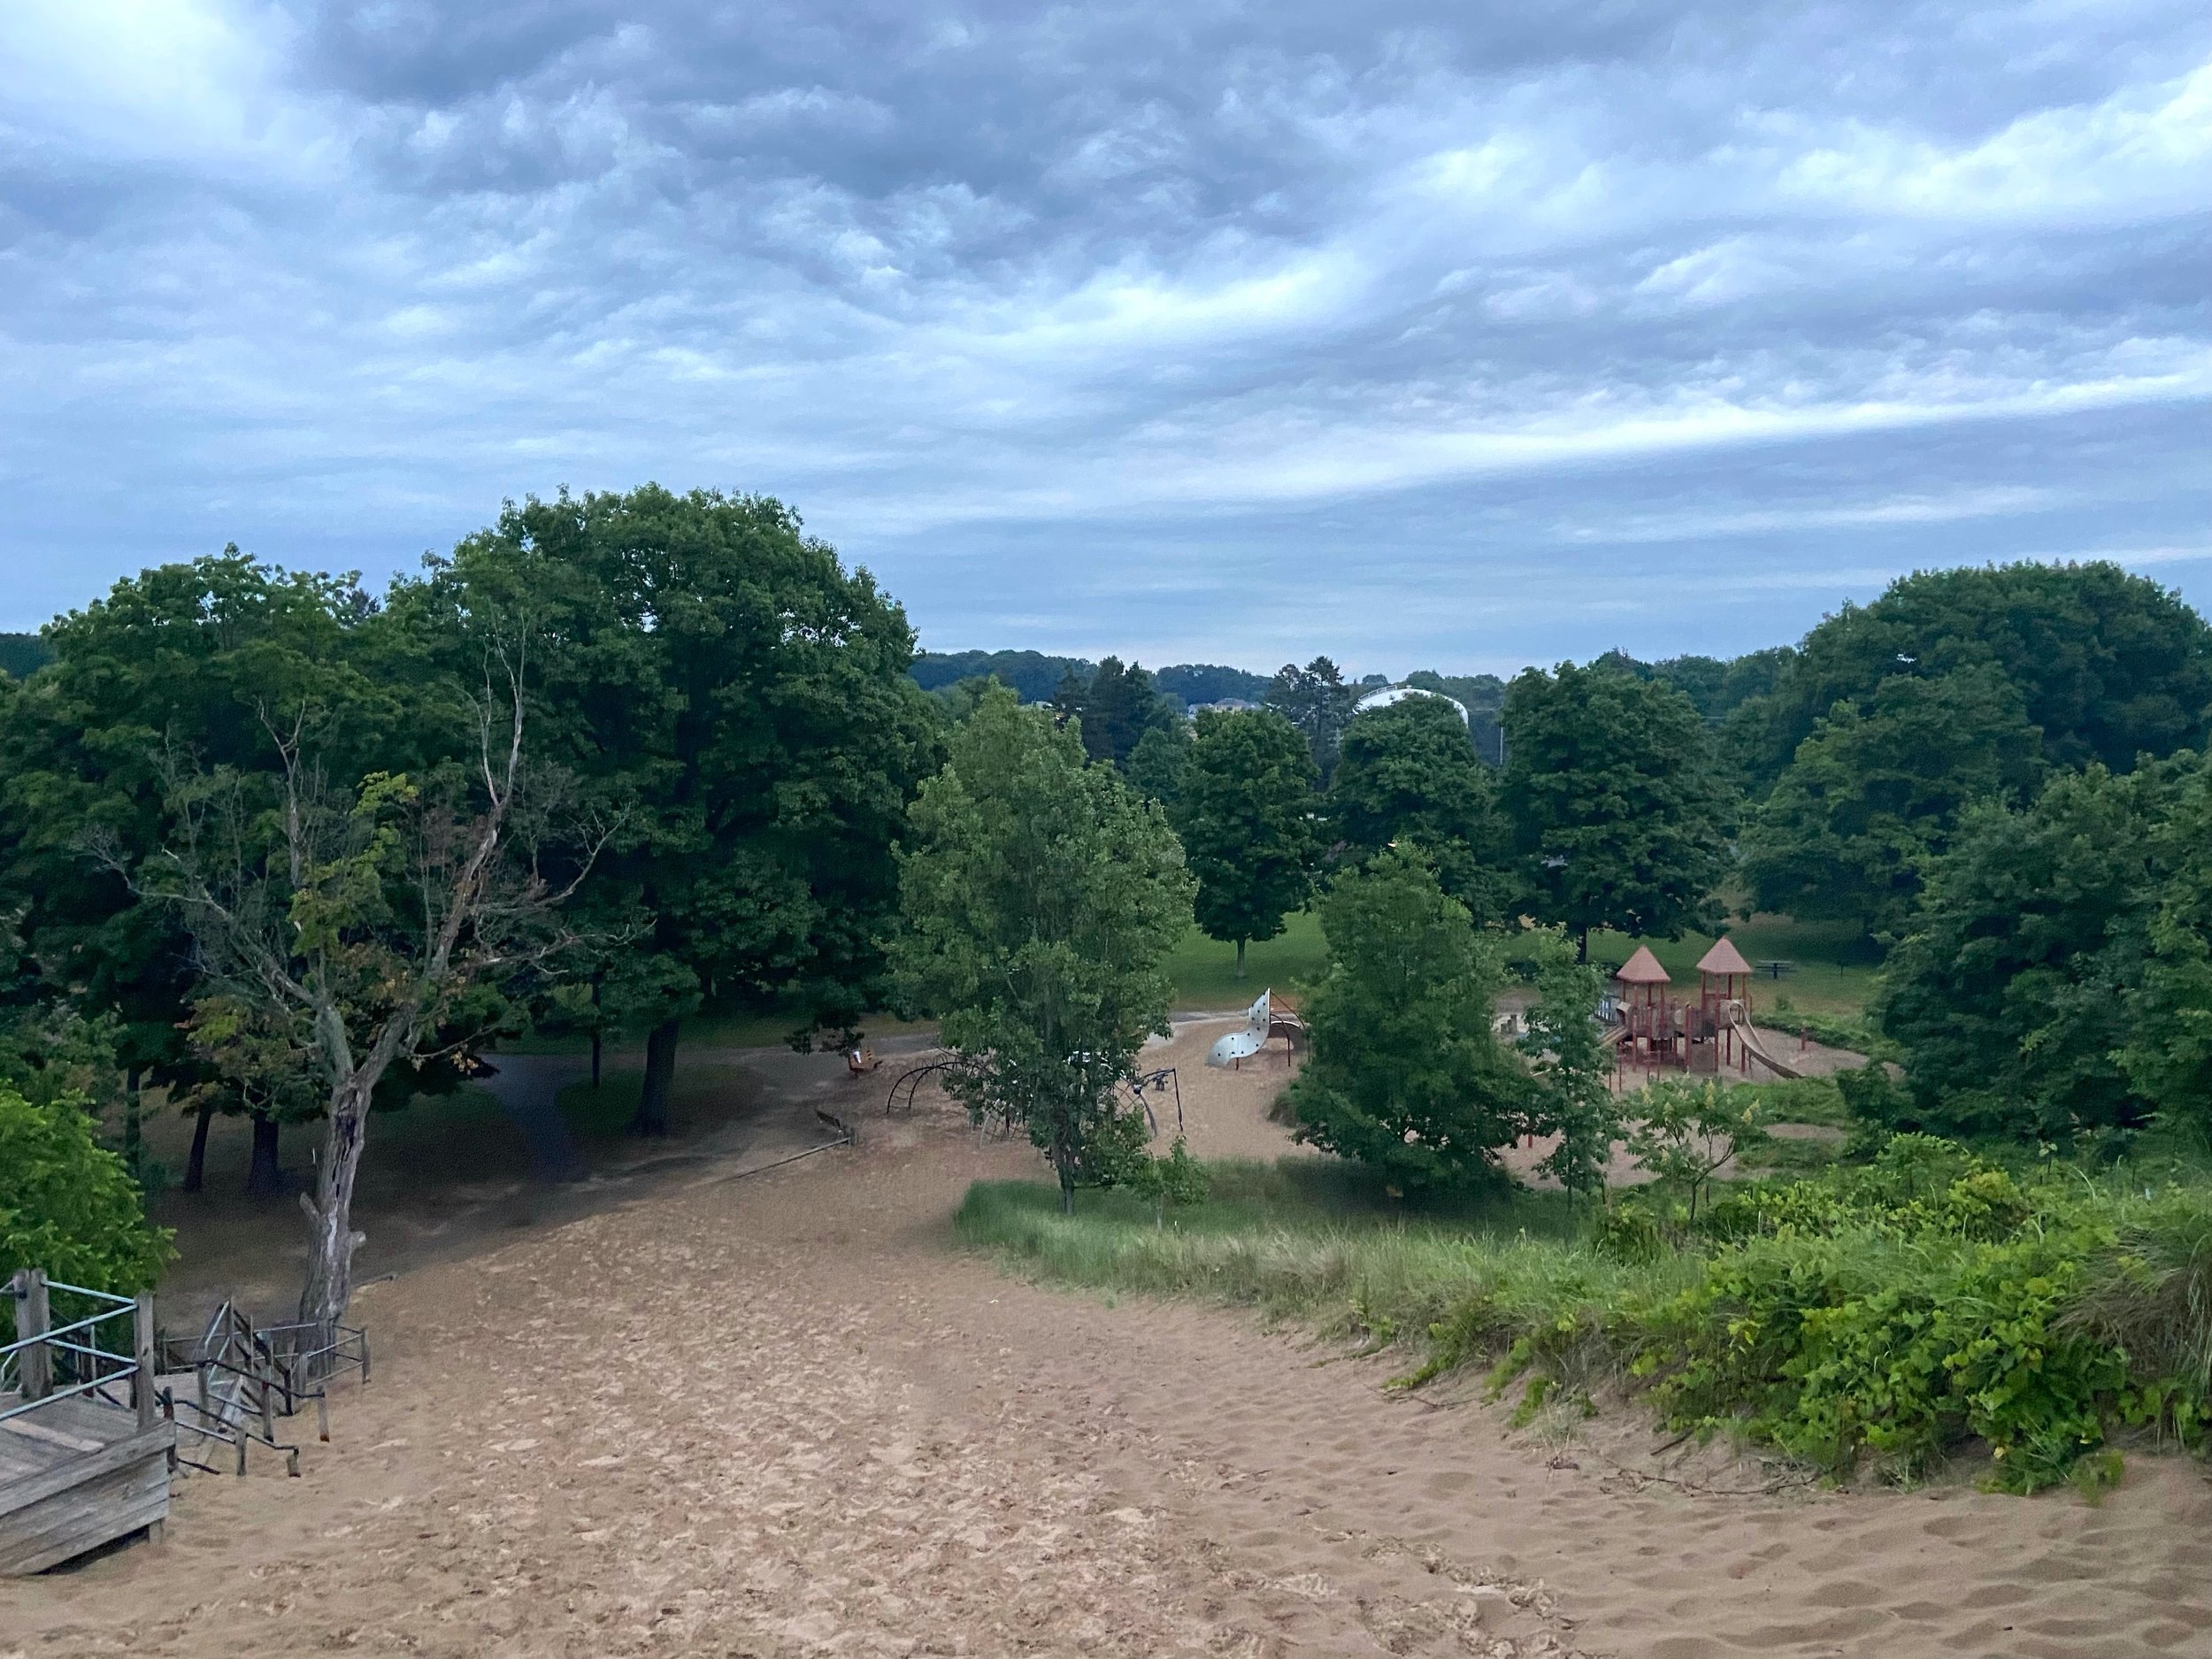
1875 792
1686 1132
743 699
1245 819
1618 811
1118 707
1041 896
2009 994
2168 1054
1315 700
1160 762
1570 1064
2108 666
182 663
1406 1072
365 921
68 1205
1408 771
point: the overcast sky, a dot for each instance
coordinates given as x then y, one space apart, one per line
1191 330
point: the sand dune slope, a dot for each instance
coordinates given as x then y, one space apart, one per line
777 1416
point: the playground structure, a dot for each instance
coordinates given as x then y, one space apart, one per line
1653 1029
1265 1020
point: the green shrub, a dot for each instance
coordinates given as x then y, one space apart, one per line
68 1205
1874 1317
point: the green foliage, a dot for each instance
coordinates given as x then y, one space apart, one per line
1039 897
1877 788
2168 1050
1316 700
1030 675
1883 1317
1685 1132
1117 705
69 1206
1616 807
1161 761
1483 697
23 654
2107 666
1245 819
201 663
1176 1178
743 698
1406 1074
2009 998
1407 771
1568 1062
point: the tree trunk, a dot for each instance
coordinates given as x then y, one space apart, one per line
133 1128
264 1178
196 1165
1240 959
1582 945
660 1073
1067 1190
333 1240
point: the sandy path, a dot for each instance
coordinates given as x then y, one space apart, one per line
777 1416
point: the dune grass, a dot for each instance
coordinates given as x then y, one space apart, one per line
1322 1243
1882 1318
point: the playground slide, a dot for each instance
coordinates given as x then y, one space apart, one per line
1745 1035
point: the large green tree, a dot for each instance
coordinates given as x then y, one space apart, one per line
1617 810
744 698
1408 771
1119 705
1246 817
208 664
2168 1054
1406 1074
1316 700
1041 896
2009 994
2107 665
1876 792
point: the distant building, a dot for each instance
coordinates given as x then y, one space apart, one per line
1389 695
1226 706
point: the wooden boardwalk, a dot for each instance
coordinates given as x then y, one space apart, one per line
85 1454
77 1474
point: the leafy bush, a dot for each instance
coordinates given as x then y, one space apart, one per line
68 1205
1878 1317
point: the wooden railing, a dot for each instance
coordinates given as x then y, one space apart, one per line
106 1354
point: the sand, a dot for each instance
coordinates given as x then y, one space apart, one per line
780 1416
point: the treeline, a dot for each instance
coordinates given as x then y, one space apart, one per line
1035 678
294 850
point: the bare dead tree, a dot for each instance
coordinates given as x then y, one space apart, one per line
380 920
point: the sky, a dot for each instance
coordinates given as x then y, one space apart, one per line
1420 334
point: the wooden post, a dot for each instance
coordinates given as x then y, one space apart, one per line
35 1364
142 1334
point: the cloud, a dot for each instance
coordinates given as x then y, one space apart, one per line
1111 308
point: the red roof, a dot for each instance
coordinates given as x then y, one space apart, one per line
1723 957
1643 969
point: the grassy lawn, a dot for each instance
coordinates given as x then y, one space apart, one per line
1205 970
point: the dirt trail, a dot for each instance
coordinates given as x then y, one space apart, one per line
777 1416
